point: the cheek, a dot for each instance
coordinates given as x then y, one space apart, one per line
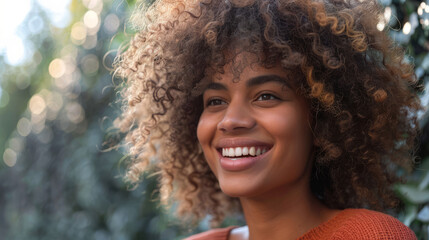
202 133
206 130
291 128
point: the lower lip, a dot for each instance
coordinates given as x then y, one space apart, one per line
239 164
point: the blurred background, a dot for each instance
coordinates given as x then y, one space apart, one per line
57 104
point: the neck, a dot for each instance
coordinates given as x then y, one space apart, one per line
283 213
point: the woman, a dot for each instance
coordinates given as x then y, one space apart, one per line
295 113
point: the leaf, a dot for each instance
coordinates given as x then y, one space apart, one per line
410 214
424 182
424 214
413 194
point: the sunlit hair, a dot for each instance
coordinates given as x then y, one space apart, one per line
357 83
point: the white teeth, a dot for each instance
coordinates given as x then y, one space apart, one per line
231 152
245 151
252 151
238 152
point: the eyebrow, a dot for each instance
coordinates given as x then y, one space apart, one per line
266 78
252 82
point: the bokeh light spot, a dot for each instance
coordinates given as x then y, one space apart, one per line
37 104
58 11
90 64
95 5
75 112
15 51
380 26
90 19
407 28
35 24
9 157
12 14
111 23
387 13
23 127
78 33
57 68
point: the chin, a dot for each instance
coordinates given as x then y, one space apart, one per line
238 190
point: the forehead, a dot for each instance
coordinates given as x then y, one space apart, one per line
245 67
240 67
251 82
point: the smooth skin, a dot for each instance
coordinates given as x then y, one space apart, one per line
263 107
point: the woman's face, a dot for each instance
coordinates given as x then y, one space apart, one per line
255 133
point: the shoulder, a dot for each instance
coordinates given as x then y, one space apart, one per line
369 224
214 234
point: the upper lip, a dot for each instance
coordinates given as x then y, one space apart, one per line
240 142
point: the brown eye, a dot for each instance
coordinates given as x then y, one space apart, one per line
215 102
266 96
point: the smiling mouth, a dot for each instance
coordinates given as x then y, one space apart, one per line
236 159
242 152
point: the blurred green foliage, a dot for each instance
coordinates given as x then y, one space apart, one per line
412 17
56 179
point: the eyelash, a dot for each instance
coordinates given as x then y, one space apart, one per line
217 101
271 97
210 102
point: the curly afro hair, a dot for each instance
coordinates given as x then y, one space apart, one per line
358 84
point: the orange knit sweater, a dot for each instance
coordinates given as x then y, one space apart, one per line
348 224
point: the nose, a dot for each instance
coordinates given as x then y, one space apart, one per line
237 117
